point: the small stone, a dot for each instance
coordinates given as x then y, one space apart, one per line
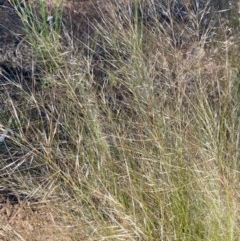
2 138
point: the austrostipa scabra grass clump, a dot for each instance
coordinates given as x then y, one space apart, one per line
137 135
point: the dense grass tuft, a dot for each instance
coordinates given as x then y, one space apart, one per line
139 131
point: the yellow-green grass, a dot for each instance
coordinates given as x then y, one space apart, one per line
147 149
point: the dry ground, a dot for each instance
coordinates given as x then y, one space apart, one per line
37 222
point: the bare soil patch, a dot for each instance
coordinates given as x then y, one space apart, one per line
37 222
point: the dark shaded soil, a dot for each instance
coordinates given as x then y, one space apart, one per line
11 28
14 61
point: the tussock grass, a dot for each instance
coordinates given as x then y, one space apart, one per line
139 133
